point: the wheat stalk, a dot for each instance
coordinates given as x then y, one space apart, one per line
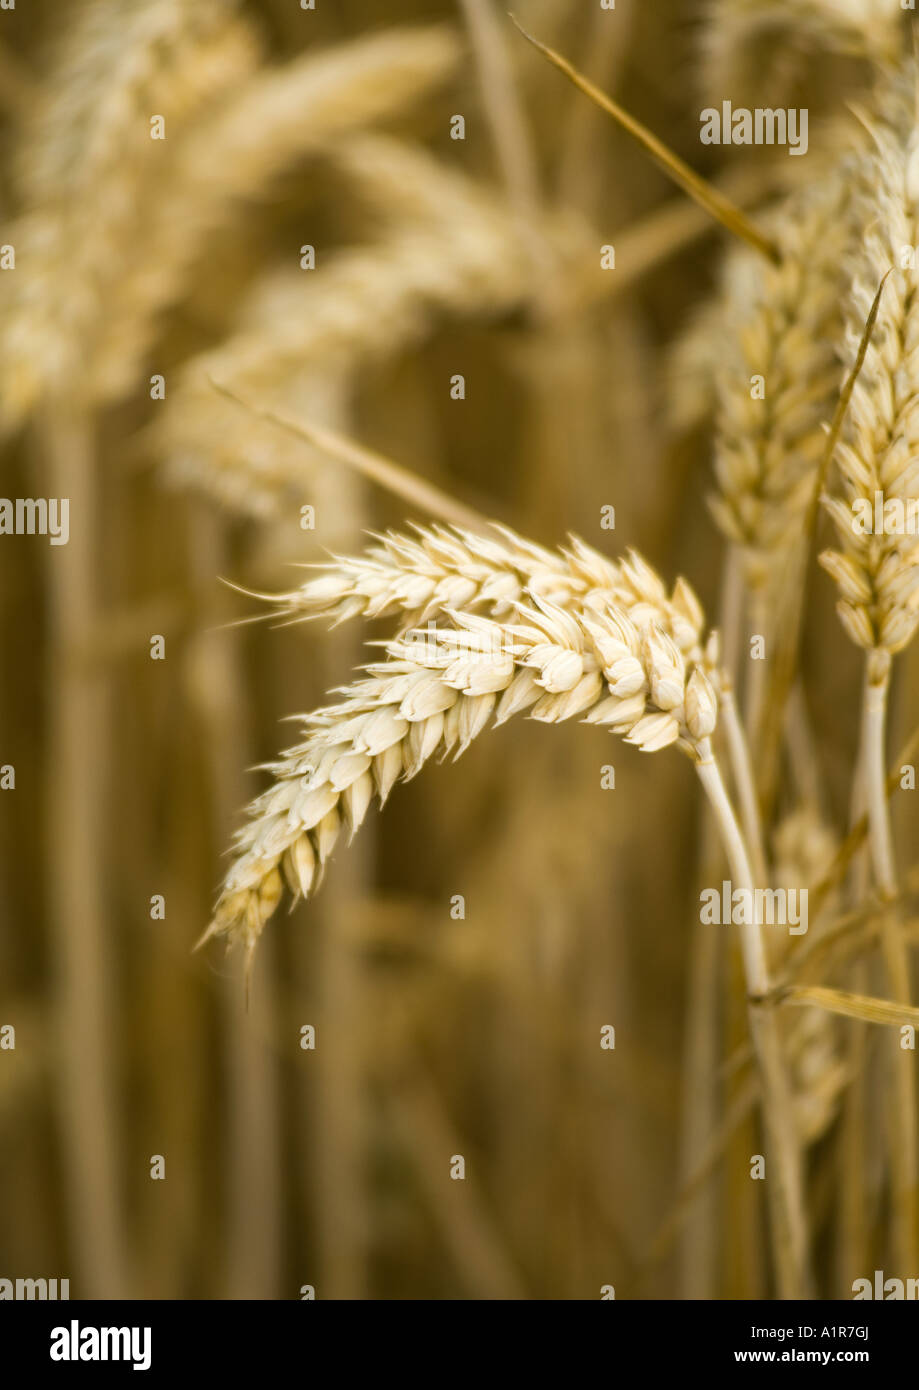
877 575
707 195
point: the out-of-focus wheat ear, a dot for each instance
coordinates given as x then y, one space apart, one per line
786 322
103 73
269 122
775 394
447 247
88 167
739 37
804 851
284 113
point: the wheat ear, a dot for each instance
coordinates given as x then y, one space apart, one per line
416 577
87 161
786 320
604 654
735 31
275 118
437 691
447 247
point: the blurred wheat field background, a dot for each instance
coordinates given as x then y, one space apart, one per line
309 233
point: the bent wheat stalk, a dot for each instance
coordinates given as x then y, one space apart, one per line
790 1246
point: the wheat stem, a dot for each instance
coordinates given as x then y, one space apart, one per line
252 1214
904 1157
881 843
84 994
789 1231
513 146
742 768
503 108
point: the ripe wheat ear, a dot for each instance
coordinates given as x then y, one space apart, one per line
612 662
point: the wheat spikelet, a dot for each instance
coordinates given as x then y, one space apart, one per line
449 248
436 692
785 321
89 164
